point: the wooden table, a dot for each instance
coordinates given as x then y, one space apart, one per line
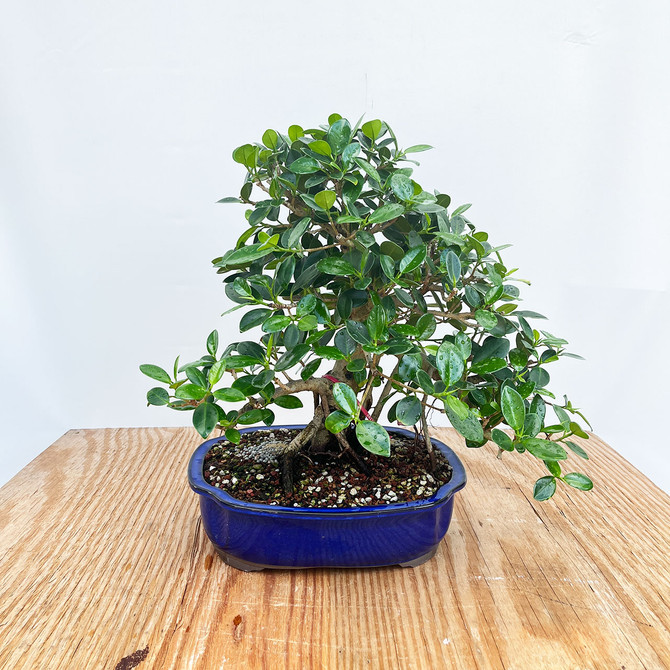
103 558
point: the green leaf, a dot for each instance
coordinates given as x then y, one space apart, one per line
295 132
297 231
426 326
368 169
252 416
577 450
291 336
554 468
386 212
337 421
344 305
416 148
513 408
276 323
545 487
254 318
577 430
465 422
158 396
486 319
356 365
320 147
270 138
488 366
563 417
329 352
538 406
246 255
306 305
374 438
228 200
233 435
229 395
412 259
291 357
427 207
156 373
532 425
372 129
288 401
213 342
463 344
262 379
449 363
518 358
362 236
391 249
451 238
425 382
402 186
358 332
216 372
461 209
545 450
304 165
325 199
335 266
308 322
309 369
457 407
359 235
540 376
503 440
376 322
493 294
345 398
408 410
528 314
239 362
246 155
242 288
339 135
190 392
388 266
526 389
350 152
205 418
453 267
345 343
195 376
578 480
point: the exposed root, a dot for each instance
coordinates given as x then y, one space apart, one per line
315 433
361 465
427 438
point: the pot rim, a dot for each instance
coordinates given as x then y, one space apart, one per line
199 485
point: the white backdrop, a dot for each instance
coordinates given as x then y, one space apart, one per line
118 120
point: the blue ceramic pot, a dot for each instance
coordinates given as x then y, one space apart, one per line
254 536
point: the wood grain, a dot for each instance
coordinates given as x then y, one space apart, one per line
102 555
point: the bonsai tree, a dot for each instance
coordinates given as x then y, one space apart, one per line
370 293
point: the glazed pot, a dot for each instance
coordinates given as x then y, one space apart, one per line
255 536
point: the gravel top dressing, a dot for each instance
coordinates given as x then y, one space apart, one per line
250 472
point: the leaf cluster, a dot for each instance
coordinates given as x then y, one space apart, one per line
348 263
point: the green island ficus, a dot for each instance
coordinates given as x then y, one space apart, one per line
371 294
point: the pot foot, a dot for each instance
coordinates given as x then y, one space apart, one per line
238 563
418 561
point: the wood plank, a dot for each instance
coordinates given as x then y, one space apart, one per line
102 554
